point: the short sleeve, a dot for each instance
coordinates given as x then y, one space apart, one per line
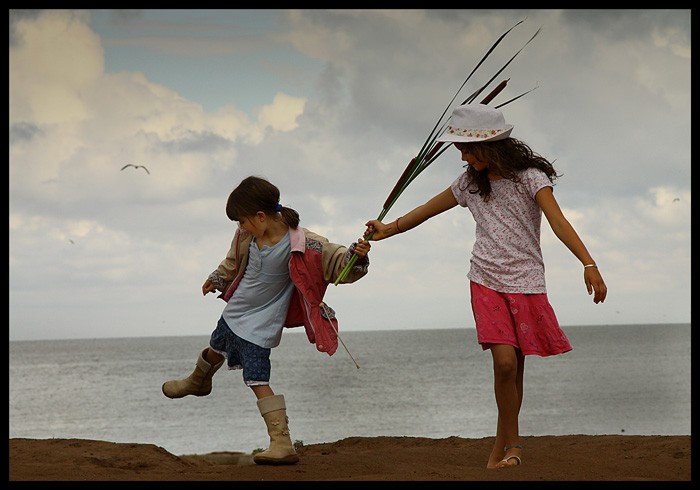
459 189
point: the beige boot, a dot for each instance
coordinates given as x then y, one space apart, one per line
281 450
198 383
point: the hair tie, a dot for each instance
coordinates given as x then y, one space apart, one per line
278 208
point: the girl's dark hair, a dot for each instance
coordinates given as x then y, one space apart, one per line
255 194
506 157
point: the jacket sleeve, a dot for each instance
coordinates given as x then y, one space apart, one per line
336 257
226 271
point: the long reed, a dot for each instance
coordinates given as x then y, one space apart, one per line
431 148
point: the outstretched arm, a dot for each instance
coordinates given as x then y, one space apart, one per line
438 204
568 236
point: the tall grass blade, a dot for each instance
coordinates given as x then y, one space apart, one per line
514 98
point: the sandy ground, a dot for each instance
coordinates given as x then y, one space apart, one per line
545 458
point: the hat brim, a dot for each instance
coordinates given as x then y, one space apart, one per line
454 138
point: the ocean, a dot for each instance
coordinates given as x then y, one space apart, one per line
618 379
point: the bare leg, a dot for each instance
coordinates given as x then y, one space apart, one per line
508 369
262 391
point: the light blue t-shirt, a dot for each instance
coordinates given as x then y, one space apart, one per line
258 307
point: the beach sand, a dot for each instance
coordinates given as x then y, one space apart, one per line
545 458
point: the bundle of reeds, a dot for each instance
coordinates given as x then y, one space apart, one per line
432 149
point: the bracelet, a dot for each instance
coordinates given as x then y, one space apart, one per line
397 225
590 265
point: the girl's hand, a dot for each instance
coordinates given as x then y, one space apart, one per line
362 247
381 230
594 282
208 287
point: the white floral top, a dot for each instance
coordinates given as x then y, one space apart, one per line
507 256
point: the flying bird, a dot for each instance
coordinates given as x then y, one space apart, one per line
136 166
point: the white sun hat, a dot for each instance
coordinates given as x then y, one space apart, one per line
476 123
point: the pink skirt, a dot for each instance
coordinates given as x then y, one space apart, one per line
525 321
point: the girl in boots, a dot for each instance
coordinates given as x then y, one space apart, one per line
506 187
274 275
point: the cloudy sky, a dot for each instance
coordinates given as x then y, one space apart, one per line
330 105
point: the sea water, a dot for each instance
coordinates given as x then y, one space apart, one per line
618 379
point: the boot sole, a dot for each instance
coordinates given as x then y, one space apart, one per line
291 459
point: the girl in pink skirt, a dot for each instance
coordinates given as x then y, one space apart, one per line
506 187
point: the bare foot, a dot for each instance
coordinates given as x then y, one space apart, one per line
494 458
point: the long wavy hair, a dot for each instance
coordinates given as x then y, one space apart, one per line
507 157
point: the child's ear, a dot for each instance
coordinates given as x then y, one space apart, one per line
260 216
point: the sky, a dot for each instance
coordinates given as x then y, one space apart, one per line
330 106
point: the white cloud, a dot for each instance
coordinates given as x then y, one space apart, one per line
129 250
56 61
282 114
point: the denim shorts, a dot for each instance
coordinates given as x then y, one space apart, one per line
241 354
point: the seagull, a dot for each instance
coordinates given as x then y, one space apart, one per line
136 166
